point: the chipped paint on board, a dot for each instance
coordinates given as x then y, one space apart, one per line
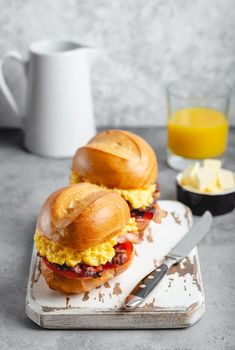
107 285
176 217
85 296
155 264
149 236
188 216
117 289
169 305
67 305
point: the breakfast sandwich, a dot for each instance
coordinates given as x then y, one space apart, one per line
84 237
125 163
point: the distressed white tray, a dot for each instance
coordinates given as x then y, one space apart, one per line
178 301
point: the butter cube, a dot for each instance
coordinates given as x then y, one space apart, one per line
188 175
213 164
225 179
215 189
205 178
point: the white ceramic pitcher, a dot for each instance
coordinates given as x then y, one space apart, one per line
59 113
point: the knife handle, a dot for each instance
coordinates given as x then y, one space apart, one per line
148 283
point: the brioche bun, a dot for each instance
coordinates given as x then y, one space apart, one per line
81 284
79 217
116 159
82 216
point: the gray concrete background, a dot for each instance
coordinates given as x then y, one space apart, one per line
148 43
26 180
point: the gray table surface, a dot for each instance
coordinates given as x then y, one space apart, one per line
26 180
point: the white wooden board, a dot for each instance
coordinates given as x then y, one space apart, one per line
178 301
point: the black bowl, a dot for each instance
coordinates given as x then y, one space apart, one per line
217 204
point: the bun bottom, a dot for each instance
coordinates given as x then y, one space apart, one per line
81 284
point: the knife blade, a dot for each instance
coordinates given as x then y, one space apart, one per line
175 256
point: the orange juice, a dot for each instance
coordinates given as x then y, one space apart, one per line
197 133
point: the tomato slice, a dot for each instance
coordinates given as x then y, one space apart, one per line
65 273
127 246
143 216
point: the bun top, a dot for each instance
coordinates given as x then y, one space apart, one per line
116 159
82 216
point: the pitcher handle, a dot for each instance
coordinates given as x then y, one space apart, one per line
3 84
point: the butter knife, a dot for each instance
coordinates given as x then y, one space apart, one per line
175 256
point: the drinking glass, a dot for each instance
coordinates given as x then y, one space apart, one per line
197 121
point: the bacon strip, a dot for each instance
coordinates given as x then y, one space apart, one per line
130 237
153 212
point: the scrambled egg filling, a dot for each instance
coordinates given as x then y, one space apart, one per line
137 197
93 256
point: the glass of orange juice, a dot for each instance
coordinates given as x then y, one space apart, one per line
197 121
